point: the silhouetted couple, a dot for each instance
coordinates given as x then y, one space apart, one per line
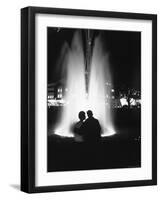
87 130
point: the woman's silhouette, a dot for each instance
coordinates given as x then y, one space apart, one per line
78 127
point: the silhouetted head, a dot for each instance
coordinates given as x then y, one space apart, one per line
90 113
82 115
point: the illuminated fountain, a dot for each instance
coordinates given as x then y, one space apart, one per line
83 94
76 94
99 76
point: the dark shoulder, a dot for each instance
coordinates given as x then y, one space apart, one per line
95 119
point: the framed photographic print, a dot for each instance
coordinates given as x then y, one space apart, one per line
88 99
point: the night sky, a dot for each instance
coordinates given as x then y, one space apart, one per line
123 47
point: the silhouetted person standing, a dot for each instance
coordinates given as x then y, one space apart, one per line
91 128
78 127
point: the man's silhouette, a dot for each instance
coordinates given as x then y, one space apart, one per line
78 127
91 128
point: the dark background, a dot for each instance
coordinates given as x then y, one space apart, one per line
123 47
122 150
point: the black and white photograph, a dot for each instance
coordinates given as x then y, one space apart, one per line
89 90
93 99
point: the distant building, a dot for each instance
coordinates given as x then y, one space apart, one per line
114 98
56 90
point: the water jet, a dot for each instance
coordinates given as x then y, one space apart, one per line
86 77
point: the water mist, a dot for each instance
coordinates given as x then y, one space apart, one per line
77 98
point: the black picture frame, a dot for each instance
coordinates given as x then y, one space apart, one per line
28 91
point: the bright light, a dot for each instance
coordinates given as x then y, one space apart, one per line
63 133
132 102
123 102
77 97
108 134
